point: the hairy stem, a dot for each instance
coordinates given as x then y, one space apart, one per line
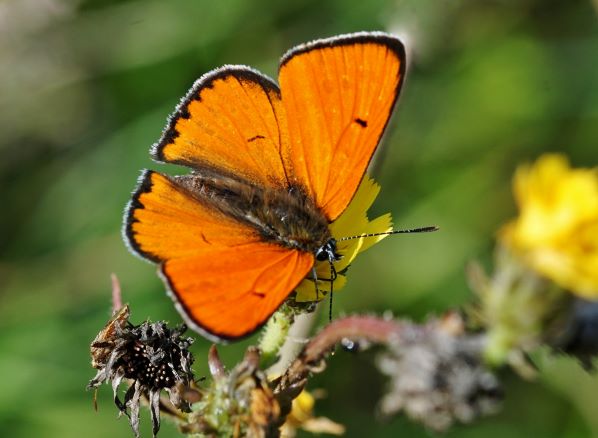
274 335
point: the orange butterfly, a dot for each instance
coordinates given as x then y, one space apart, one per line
271 169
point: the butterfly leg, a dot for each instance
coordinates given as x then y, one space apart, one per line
332 279
314 276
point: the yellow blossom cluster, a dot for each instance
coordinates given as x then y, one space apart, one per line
556 232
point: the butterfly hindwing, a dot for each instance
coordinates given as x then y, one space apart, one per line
165 221
230 292
338 94
225 280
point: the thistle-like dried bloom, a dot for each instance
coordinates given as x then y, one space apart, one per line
436 369
437 376
237 404
556 232
151 356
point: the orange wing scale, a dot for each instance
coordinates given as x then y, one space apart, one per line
232 120
225 280
231 292
166 222
338 95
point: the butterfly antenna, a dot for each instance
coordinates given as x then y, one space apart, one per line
387 233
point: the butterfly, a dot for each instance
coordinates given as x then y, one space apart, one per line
272 166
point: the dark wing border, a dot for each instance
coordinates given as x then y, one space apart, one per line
391 41
170 133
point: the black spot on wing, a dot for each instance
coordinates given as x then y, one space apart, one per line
205 239
361 122
254 138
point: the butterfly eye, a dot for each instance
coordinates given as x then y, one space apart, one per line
328 252
321 254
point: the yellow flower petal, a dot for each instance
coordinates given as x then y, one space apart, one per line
556 232
307 292
353 222
302 417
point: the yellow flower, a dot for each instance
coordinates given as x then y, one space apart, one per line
353 222
302 417
556 233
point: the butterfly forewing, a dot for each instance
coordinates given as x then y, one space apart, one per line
338 95
231 121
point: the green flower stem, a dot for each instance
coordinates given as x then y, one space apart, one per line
274 335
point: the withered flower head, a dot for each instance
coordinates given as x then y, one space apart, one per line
151 355
437 376
238 403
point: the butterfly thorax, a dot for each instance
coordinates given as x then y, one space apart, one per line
286 216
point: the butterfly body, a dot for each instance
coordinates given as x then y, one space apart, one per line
285 216
273 166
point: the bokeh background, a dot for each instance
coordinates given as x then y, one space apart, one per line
86 86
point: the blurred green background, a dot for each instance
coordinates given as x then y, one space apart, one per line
86 86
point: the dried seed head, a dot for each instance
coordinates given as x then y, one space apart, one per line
153 356
437 377
103 344
237 403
